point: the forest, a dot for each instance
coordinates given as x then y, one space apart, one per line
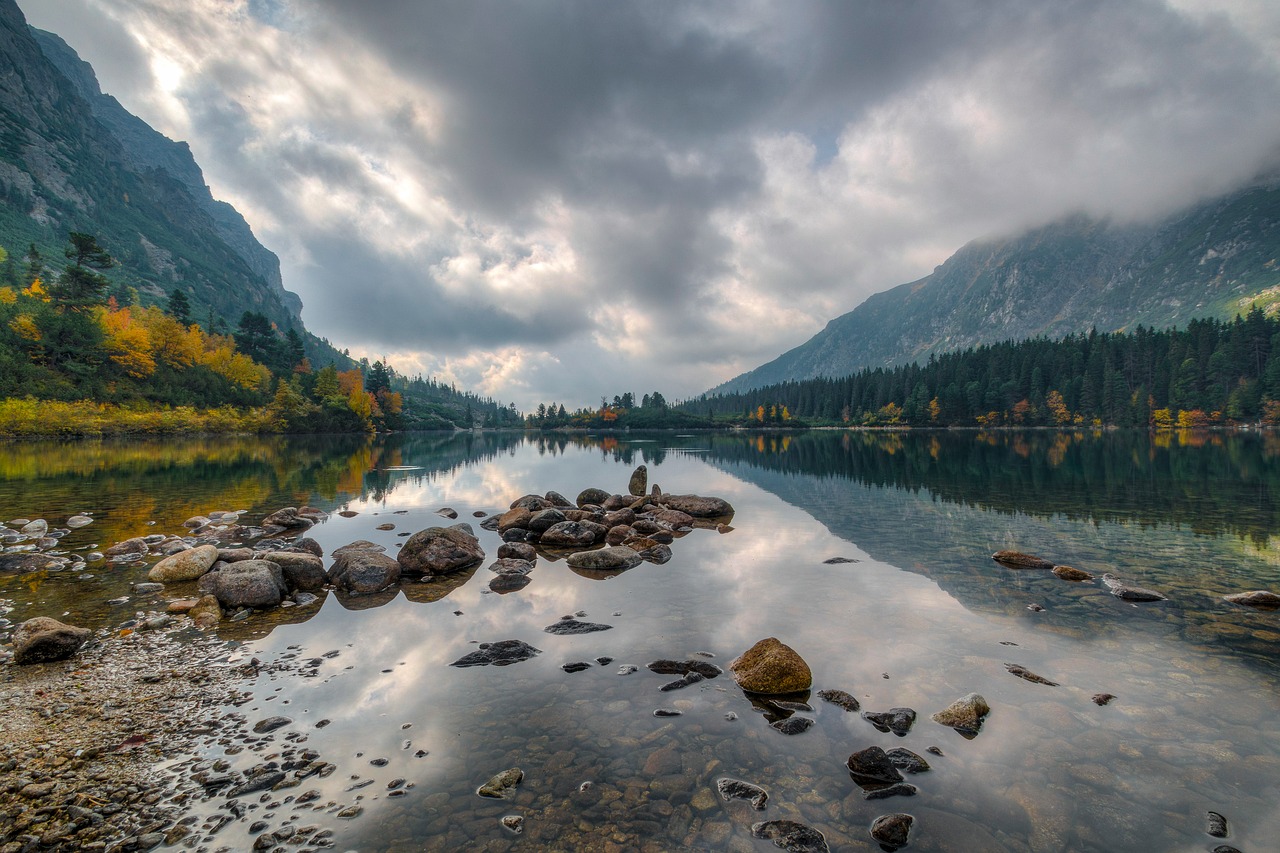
79 344
1210 373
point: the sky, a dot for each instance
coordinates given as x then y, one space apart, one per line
551 201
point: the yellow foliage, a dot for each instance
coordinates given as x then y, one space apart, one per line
7 296
36 291
223 360
128 343
24 326
174 344
30 417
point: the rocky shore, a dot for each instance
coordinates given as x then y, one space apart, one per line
83 741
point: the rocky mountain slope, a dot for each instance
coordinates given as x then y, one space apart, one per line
73 159
1215 259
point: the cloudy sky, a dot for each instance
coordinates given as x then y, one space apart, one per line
562 200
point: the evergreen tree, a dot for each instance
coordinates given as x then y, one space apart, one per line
81 286
179 307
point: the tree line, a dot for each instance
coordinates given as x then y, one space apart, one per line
72 335
1211 372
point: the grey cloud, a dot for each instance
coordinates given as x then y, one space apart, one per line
639 133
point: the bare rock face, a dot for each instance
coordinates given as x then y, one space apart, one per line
771 666
186 565
42 639
440 551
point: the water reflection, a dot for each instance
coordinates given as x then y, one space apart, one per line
923 617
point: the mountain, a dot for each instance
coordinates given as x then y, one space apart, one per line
1215 259
73 159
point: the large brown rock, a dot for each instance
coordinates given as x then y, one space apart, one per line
206 612
517 516
771 666
302 571
249 583
697 505
440 551
42 639
639 482
363 570
186 565
571 534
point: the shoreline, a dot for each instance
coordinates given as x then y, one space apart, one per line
83 742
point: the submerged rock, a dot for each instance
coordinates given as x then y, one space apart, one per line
1027 675
791 836
840 698
965 715
1216 825
872 768
1067 573
1125 592
501 653
771 666
1019 560
1259 598
684 667
792 725
892 830
907 761
502 785
570 626
736 789
896 720
43 639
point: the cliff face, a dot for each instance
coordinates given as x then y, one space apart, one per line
1213 260
72 158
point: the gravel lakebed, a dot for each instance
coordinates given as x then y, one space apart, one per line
126 746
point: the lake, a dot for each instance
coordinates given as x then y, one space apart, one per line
919 616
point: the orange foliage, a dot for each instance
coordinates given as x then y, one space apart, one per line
128 343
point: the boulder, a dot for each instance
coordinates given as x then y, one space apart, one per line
302 571
501 653
670 518
896 720
619 534
515 517
544 519
892 830
615 557
308 545
907 761
625 516
569 534
517 551
1019 560
592 497
1259 598
511 566
363 571
639 482
872 767
1067 573
42 639
287 518
557 500
249 583
965 715
533 503
770 667
440 551
697 505
569 626
840 698
736 789
136 545
185 565
360 545
235 555
613 503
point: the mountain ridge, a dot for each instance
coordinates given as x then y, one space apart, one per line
1212 259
